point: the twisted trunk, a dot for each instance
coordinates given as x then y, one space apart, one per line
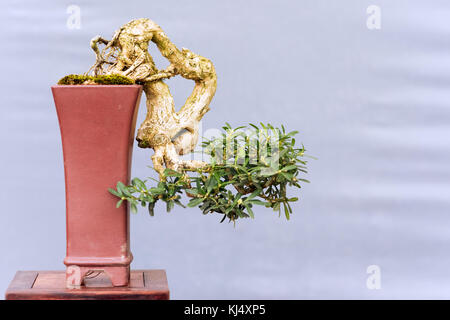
168 132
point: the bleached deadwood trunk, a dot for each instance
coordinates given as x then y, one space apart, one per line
167 132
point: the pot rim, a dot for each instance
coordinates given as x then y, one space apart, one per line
96 85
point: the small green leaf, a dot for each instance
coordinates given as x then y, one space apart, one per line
157 191
288 176
290 167
114 192
192 191
211 183
119 203
178 202
250 211
123 189
138 183
276 207
195 202
286 211
258 202
172 173
169 205
119 187
254 194
151 207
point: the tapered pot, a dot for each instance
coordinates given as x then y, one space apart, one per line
97 125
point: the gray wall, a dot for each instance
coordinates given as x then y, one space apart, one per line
372 105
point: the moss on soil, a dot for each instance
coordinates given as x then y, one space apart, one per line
77 79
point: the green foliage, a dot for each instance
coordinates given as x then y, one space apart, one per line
114 79
247 169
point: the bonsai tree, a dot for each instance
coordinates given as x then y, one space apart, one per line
247 166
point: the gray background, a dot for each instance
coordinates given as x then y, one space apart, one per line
372 105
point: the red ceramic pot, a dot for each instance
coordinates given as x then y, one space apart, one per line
97 125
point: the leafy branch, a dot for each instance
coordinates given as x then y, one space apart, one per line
247 168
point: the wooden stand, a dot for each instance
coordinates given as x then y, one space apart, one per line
51 285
